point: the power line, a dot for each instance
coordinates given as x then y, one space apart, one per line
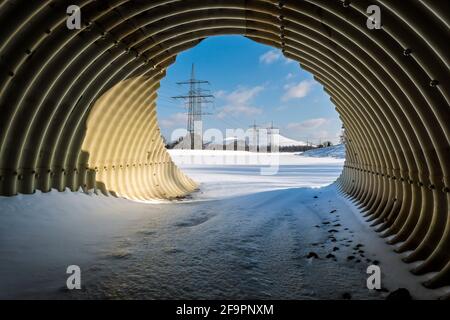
194 101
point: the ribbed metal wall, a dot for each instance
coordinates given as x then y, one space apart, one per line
77 106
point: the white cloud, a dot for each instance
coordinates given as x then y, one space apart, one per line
238 110
239 102
243 95
307 124
297 91
281 108
289 61
270 57
220 94
289 76
314 130
176 119
273 56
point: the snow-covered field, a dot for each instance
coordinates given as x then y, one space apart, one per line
234 173
243 235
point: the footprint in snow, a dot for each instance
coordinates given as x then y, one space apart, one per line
312 255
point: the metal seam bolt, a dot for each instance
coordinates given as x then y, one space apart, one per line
407 52
434 83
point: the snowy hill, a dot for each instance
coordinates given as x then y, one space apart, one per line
287 142
282 141
337 151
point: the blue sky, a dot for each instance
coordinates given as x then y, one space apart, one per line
251 82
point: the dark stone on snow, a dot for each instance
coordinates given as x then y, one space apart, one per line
399 294
346 296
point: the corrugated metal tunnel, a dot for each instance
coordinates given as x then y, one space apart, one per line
78 106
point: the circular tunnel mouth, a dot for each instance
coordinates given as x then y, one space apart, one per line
231 106
389 84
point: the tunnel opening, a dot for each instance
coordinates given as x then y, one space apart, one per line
250 88
389 84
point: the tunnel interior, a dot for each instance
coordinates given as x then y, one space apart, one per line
78 106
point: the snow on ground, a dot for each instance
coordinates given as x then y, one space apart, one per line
337 151
233 173
243 235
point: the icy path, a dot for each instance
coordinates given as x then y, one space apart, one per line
242 236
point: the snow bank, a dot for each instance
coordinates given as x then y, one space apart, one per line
337 151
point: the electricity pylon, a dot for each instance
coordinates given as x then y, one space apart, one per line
273 143
194 100
254 145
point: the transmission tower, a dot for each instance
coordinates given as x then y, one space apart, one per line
272 128
254 145
272 132
194 101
